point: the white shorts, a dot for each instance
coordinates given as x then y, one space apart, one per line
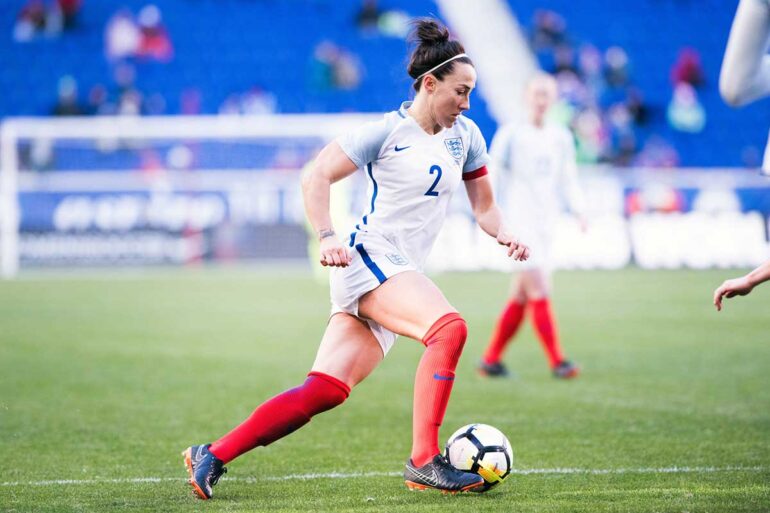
539 240
374 260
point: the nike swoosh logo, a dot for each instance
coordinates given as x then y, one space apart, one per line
431 479
443 378
401 148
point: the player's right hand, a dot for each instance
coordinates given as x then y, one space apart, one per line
731 288
333 253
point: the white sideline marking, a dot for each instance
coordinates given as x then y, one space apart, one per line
349 475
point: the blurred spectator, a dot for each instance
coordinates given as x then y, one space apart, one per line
331 67
590 68
36 17
685 113
622 138
154 42
372 21
190 101
636 106
616 66
98 102
549 31
688 68
121 36
657 153
254 102
67 102
129 98
69 10
564 59
394 24
30 21
368 17
591 137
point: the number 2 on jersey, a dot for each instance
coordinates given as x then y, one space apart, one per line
431 191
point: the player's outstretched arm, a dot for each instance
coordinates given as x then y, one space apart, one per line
331 165
743 285
745 74
489 217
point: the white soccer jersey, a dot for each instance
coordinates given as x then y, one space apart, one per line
539 171
412 176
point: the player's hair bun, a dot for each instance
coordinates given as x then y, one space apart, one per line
433 47
429 31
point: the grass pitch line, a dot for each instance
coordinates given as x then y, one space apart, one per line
352 475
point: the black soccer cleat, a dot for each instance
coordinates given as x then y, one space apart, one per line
204 468
493 370
566 370
438 474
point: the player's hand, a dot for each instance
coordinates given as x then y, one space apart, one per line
731 288
333 253
516 249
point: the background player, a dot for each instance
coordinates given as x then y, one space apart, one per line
745 77
414 158
539 160
745 74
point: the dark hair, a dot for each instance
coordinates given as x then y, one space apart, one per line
433 48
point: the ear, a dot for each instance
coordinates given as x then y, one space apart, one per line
429 83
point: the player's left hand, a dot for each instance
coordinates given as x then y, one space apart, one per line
516 249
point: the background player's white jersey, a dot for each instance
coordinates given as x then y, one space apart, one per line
538 174
412 176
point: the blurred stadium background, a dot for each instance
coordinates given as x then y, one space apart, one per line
174 132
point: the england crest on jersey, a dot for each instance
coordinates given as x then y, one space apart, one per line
455 148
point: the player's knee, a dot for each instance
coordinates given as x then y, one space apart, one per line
450 331
323 392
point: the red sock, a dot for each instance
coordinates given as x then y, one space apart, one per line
281 415
545 326
507 326
435 375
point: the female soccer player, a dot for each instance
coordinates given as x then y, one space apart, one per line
540 160
414 159
745 77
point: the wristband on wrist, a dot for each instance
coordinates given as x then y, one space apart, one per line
326 232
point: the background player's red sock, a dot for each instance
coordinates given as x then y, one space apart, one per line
282 415
507 326
435 375
545 326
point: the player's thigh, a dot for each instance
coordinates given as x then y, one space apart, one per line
407 303
348 351
536 283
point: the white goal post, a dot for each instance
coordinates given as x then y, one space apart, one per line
15 131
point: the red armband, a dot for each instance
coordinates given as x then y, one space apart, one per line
476 174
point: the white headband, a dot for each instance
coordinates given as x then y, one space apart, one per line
434 68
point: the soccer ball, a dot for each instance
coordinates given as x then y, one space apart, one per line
483 450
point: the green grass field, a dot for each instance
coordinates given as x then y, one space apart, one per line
105 378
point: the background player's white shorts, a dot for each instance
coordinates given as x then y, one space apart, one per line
539 240
374 260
